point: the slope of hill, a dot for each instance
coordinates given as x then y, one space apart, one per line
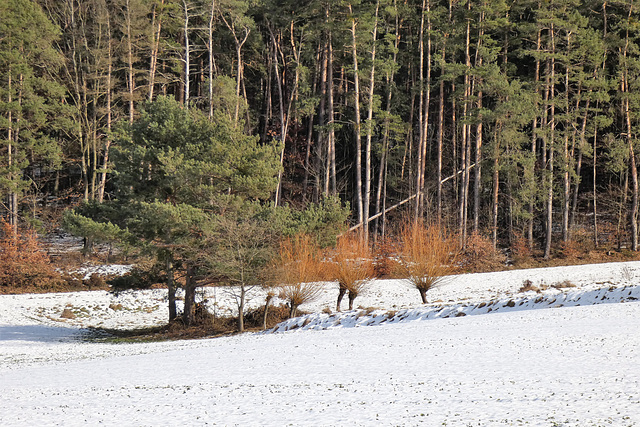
560 365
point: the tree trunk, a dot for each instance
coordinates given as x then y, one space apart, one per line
12 197
549 231
423 295
187 55
496 187
367 157
478 170
284 118
155 48
267 301
341 293
633 215
129 44
171 286
423 113
440 146
239 64
211 57
333 189
622 207
105 156
595 194
322 172
382 173
356 82
582 144
466 138
188 316
534 140
566 182
478 148
293 310
241 303
352 298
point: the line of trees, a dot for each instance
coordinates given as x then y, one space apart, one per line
515 119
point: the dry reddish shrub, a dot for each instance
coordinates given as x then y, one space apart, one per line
570 249
384 259
24 266
480 255
95 281
427 256
352 266
579 245
296 269
520 250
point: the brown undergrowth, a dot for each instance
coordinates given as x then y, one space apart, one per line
24 266
206 326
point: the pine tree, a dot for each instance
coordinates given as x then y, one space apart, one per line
31 102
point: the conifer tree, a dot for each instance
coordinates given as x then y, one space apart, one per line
32 114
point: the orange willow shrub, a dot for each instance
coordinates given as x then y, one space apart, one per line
427 256
24 266
296 271
352 266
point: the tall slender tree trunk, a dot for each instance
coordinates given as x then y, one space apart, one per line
551 144
478 148
440 146
496 186
356 83
534 140
105 157
382 172
595 192
239 43
478 169
284 117
466 138
309 144
634 174
425 94
633 215
187 55
566 181
581 145
13 196
322 173
155 47
211 56
331 155
367 163
130 71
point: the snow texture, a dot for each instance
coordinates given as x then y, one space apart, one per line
481 353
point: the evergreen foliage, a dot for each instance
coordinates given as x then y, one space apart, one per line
517 120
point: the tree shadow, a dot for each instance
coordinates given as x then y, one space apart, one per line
39 333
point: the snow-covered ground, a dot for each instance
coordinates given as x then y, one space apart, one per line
481 353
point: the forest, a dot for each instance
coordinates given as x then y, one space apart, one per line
515 120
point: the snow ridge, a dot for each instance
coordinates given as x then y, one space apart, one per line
523 301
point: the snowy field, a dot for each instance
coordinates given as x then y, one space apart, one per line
481 353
